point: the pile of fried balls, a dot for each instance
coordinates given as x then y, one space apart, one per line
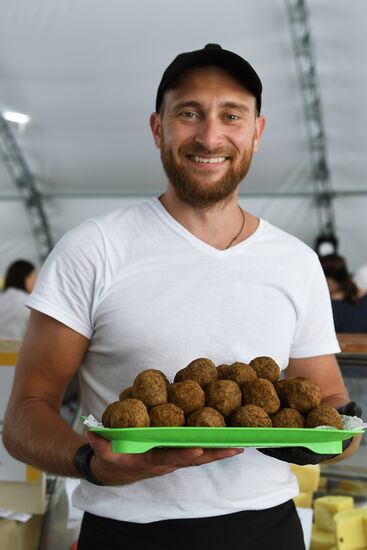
239 395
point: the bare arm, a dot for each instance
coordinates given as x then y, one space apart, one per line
34 431
325 371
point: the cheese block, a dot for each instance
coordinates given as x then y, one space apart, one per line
308 477
326 507
322 483
321 540
350 529
303 500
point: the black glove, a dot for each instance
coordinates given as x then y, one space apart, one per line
299 455
302 455
350 409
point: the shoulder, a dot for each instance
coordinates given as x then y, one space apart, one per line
133 213
287 245
93 233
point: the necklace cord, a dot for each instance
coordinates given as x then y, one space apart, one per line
240 231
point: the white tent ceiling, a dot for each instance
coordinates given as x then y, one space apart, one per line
86 71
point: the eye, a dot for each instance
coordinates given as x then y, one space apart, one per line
188 115
232 118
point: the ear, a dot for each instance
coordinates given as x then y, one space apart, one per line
260 125
156 127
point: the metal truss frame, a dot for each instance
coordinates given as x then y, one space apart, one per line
26 185
320 172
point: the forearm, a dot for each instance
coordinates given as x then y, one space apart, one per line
41 438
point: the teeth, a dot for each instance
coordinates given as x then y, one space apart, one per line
214 160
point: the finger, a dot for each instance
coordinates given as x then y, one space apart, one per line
99 444
192 457
175 457
211 455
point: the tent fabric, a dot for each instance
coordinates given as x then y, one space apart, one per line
86 71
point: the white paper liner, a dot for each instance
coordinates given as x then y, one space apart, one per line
350 423
91 422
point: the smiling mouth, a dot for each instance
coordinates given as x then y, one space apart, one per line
207 160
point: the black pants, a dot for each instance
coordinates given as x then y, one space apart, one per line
276 528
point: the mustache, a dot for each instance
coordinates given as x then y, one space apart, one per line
197 150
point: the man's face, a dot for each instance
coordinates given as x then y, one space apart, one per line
207 133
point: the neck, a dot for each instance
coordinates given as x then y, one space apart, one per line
216 225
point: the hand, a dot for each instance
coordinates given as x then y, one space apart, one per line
120 469
299 455
302 455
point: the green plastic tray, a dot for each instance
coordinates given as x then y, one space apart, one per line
139 440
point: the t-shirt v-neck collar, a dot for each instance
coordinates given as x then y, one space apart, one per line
169 220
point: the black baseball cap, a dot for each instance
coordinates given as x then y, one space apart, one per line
212 54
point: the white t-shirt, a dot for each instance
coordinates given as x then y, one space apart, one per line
149 294
14 314
360 277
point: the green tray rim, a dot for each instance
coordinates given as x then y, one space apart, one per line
137 440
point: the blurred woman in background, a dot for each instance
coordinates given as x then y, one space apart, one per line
348 301
19 282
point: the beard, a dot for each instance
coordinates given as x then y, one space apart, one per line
199 194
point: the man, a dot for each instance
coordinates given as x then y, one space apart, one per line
184 276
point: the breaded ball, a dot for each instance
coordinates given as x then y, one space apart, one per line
201 370
261 392
251 416
279 386
324 415
150 387
302 394
166 414
266 367
130 413
126 393
288 418
188 395
221 370
206 417
240 373
224 396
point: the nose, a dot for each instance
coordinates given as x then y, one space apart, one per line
209 133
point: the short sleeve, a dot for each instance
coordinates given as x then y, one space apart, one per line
71 280
315 332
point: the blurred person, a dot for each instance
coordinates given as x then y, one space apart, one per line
188 274
349 302
19 281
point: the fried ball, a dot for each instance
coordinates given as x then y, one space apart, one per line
288 418
279 386
166 414
240 373
206 417
324 415
221 370
188 395
251 416
150 387
302 394
201 370
261 392
130 413
224 396
126 393
266 367
162 374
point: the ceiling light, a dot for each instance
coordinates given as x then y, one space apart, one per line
19 118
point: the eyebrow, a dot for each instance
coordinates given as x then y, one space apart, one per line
225 105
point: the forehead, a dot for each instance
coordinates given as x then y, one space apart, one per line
208 82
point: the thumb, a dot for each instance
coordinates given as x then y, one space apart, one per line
99 444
